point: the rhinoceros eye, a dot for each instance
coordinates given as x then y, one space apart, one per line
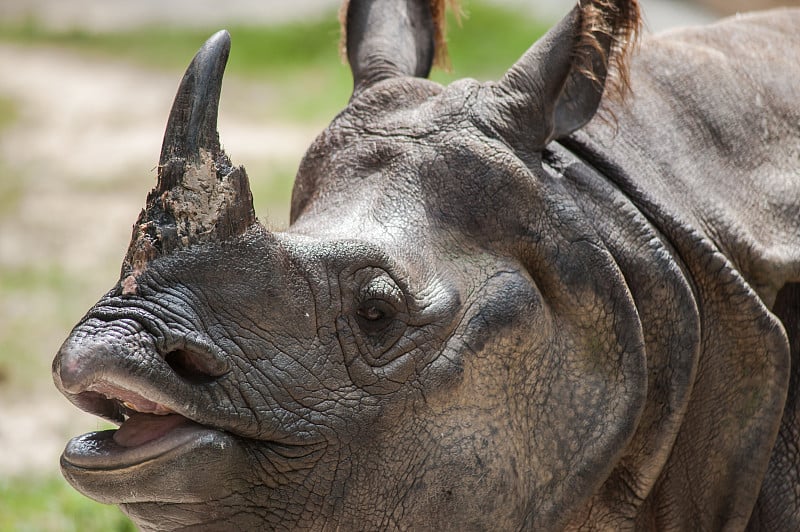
379 308
375 315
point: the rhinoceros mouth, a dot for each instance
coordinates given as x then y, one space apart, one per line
103 451
147 430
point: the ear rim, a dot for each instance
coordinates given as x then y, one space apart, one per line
389 38
559 83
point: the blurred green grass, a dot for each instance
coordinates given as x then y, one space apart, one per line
300 59
51 505
308 84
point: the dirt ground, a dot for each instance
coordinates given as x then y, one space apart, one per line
80 158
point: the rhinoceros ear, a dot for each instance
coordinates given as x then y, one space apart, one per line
200 196
389 38
557 85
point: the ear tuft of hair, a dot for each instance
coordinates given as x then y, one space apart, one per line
602 20
438 10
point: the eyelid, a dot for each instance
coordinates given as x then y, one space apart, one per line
383 288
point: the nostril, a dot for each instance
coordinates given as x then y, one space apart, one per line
191 366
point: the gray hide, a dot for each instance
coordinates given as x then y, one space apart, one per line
496 308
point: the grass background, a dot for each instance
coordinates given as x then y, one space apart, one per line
300 59
299 66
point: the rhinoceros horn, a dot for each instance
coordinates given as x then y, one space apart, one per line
200 196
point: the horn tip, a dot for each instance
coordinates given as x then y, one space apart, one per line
221 39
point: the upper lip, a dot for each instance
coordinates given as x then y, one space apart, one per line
112 377
102 398
115 375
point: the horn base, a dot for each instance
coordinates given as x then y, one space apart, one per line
198 200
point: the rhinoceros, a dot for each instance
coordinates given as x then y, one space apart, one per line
567 299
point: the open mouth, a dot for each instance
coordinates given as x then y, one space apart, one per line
172 410
147 430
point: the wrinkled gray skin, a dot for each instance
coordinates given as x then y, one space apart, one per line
485 314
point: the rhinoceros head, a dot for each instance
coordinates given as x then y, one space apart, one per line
437 338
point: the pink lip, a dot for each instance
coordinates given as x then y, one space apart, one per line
147 430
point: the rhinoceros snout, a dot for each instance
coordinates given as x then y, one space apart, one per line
82 361
74 366
112 369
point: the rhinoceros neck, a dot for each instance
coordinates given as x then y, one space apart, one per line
712 145
664 246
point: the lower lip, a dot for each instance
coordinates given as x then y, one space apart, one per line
183 466
99 450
